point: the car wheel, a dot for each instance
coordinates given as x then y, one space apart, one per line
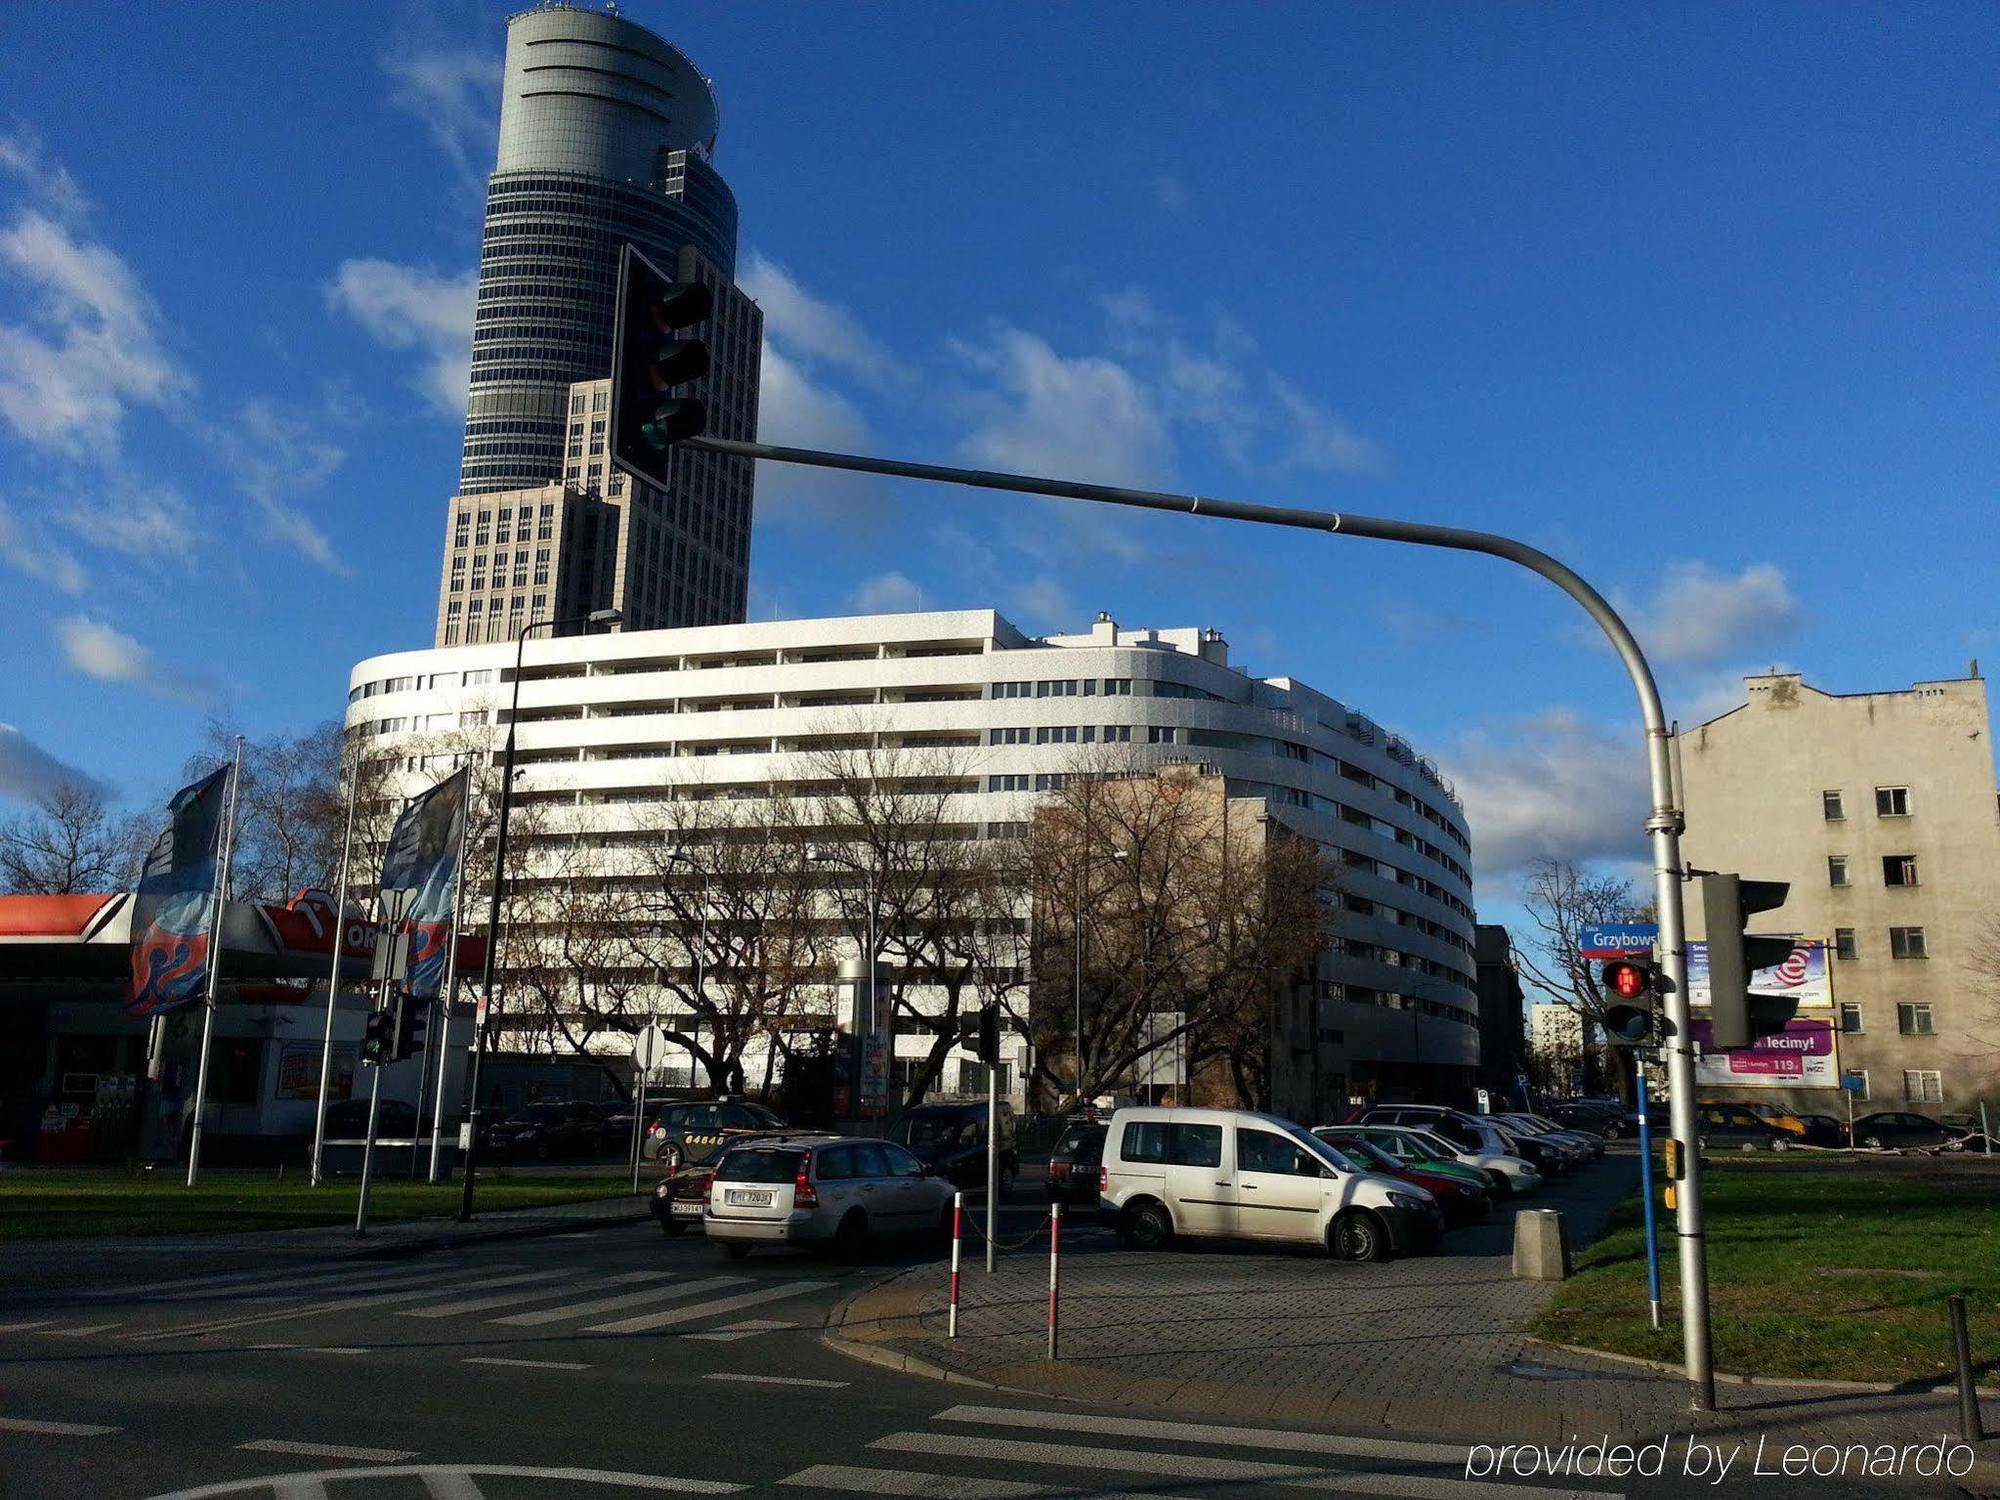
1359 1235
1872 1142
850 1241
1781 1143
735 1249
1147 1227
1503 1186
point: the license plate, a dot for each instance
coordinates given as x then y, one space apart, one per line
688 1210
742 1199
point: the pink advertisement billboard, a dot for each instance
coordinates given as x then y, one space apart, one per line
1800 1056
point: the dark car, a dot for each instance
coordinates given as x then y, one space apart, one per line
688 1134
348 1120
1463 1202
1469 1131
1901 1130
1823 1130
546 1131
1740 1126
1075 1162
950 1139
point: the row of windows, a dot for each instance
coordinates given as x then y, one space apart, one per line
1920 1085
1066 687
1890 802
1913 1018
1904 942
1897 870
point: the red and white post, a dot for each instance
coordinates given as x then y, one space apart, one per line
957 1233
1055 1269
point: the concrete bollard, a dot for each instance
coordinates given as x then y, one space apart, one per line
1540 1251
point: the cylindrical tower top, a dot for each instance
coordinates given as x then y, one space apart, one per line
589 91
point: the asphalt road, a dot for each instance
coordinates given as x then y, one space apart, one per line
611 1362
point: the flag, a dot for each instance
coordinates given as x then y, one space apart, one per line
171 910
423 857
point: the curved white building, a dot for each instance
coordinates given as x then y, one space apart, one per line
614 722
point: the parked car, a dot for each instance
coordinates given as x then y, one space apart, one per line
692 1132
1772 1115
681 1198
951 1138
1464 1199
1824 1130
1901 1130
1484 1133
1585 1144
1505 1176
838 1192
1235 1174
1734 1125
1612 1121
1074 1163
347 1120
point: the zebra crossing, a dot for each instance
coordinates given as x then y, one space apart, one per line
494 1297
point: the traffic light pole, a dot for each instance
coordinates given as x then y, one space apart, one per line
1663 823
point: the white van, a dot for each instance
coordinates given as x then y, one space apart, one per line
1233 1173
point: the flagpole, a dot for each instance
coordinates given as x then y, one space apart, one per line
214 962
333 979
441 1032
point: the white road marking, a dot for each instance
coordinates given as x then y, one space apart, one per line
730 1332
825 1385
923 1486
612 1304
326 1450
224 1278
321 1283
449 1473
24 1327
1222 1470
709 1309
1197 1432
83 1332
55 1429
524 1364
315 1309
515 1299
312 1348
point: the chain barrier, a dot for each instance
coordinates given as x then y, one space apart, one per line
1004 1246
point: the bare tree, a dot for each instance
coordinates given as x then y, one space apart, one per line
69 844
1561 901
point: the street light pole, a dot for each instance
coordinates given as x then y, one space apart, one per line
1664 821
866 1021
482 1018
681 856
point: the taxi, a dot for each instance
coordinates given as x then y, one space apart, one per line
694 1132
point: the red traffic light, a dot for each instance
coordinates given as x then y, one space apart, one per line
1627 979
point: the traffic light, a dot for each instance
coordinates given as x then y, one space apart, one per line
407 1035
650 361
377 1038
1736 1018
988 1043
1631 1013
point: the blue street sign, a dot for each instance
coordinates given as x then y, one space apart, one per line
1614 939
1852 1084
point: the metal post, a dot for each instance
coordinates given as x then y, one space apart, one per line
957 1236
368 1148
1971 1426
214 963
441 1029
1663 823
638 1118
1985 1130
1055 1269
333 976
423 1093
1646 1196
992 1160
1082 854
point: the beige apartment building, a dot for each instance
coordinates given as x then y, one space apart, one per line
1880 810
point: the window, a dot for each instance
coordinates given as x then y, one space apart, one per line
1914 1019
1843 942
479 678
575 406
1264 1151
1172 1145
1013 690
1850 1019
1855 1080
545 527
1923 1086
1008 737
1117 687
1051 781
1892 802
462 533
457 576
1836 869
1056 688
542 569
1159 734
1065 734
1117 734
503 525
1907 942
1899 869
1830 802
1015 783
473 717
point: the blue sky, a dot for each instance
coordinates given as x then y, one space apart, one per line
1699 298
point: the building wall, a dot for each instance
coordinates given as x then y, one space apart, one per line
1502 1037
1755 783
611 724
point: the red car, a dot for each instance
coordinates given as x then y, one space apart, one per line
679 1199
1462 1202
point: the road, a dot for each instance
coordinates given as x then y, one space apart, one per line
613 1362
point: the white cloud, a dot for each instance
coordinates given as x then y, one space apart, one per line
796 411
887 594
1084 417
412 307
455 92
1044 603
1314 438
154 521
27 771
36 555
50 183
1551 784
811 329
104 652
276 458
1698 616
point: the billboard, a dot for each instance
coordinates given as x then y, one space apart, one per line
1802 1056
1803 975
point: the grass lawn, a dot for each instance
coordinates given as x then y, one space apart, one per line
1825 1268
66 1204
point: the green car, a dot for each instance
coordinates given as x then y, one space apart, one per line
1408 1148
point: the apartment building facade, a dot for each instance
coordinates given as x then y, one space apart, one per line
1880 810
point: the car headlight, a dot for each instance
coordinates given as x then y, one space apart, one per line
662 1190
1410 1205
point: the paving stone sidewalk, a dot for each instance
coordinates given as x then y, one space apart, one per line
1430 1345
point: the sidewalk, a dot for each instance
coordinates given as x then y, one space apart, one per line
1431 1345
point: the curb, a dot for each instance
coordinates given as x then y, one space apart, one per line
1858 1387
